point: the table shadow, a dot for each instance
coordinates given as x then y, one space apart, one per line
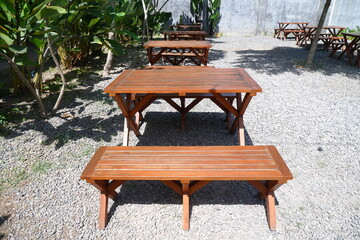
202 129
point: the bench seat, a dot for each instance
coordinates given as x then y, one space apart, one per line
186 169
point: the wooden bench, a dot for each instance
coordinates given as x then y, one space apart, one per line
186 170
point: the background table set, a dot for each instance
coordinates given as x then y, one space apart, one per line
334 38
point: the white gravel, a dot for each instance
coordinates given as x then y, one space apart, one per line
312 116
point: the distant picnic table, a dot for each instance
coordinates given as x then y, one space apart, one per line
189 27
185 35
283 30
177 51
330 35
349 45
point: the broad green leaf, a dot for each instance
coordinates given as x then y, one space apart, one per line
36 9
131 34
37 42
8 6
8 41
18 49
96 40
93 22
115 47
50 11
120 14
24 60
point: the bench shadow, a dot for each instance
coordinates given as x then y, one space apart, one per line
216 192
202 129
292 59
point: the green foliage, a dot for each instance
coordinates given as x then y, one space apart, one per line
41 167
9 114
349 30
214 14
196 7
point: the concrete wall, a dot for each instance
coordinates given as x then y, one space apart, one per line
261 16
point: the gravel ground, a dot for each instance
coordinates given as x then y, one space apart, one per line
312 116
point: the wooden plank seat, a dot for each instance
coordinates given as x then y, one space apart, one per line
193 166
178 57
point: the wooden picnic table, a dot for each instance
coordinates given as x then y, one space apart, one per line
177 51
350 44
185 35
183 82
187 27
327 38
283 31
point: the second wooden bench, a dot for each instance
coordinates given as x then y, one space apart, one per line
186 170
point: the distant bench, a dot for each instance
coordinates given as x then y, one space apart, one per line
186 170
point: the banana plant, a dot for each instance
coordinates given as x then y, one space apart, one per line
214 14
22 22
196 7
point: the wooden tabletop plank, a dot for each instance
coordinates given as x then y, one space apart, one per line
178 44
220 80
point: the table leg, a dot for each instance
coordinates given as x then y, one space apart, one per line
240 121
126 133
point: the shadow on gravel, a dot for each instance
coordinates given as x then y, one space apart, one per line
287 59
216 192
215 54
3 219
202 128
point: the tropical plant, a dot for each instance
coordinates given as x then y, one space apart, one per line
21 23
214 14
196 8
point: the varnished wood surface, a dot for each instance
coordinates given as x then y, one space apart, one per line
194 80
178 44
182 68
187 163
293 23
198 33
354 34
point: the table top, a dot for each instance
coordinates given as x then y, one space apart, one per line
185 32
182 81
178 44
354 34
326 27
187 25
293 22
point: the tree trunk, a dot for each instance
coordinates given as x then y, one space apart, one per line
110 54
314 43
27 84
63 87
145 25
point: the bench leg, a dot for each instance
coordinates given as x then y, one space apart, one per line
267 190
103 210
270 210
186 205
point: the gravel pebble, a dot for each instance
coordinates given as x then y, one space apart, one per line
312 116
